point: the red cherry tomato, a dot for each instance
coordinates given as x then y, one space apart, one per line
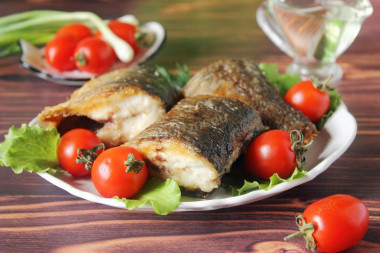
311 101
68 147
339 222
79 31
119 171
271 153
94 55
124 31
59 52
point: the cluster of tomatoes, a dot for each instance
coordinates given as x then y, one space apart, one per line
273 151
75 46
327 224
118 171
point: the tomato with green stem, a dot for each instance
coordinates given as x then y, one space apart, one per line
119 171
333 224
78 30
94 55
312 99
275 151
77 150
59 52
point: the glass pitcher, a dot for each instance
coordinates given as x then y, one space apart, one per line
313 32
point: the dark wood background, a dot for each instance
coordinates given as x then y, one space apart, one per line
36 216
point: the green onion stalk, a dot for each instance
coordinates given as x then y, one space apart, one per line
39 27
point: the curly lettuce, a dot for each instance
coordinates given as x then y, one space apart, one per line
163 196
31 149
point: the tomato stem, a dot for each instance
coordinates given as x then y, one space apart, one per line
321 86
88 156
133 164
298 147
306 230
325 82
80 59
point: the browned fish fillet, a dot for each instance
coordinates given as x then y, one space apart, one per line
119 104
243 80
197 141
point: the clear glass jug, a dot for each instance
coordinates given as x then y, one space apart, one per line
313 32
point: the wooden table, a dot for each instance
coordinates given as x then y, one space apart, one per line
36 216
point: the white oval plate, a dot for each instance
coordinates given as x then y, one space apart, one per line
329 145
33 60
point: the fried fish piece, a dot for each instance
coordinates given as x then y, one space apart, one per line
197 141
243 80
117 105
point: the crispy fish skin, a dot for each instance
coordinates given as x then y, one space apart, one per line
124 102
243 80
198 140
142 76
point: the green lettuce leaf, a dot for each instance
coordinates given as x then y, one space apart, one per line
335 99
177 80
32 149
282 82
276 179
163 196
237 190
